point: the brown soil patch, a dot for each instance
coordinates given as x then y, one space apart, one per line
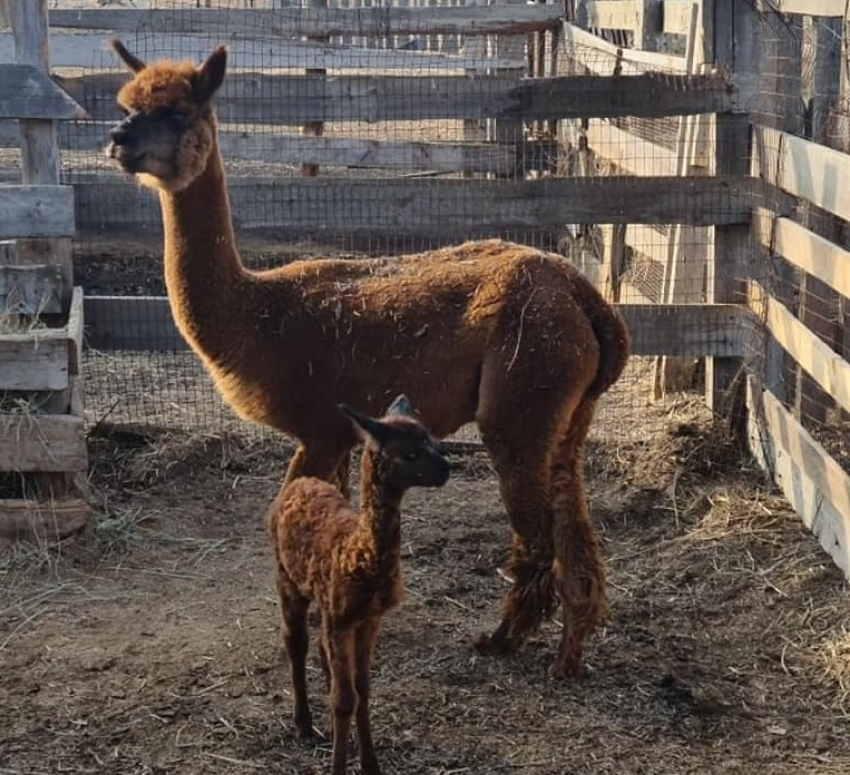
151 645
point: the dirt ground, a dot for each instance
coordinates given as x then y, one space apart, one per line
151 644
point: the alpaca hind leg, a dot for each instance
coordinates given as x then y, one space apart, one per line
296 640
579 569
524 485
366 637
339 645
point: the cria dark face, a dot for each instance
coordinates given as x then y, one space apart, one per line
409 456
169 130
413 456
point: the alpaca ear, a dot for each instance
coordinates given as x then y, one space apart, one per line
401 406
133 62
211 75
368 428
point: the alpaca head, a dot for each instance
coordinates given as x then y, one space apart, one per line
409 456
169 131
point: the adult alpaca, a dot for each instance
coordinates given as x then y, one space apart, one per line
513 338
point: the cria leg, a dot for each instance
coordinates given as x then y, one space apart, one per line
339 645
579 569
295 636
365 639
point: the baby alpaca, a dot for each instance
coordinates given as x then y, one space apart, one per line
349 563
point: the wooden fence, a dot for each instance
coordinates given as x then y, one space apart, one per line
585 122
43 455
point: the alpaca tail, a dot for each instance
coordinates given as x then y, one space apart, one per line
612 335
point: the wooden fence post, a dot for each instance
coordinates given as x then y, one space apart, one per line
39 145
314 128
732 42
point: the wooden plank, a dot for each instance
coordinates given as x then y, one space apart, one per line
36 211
676 16
446 207
611 14
805 169
819 360
42 443
686 330
45 521
27 93
732 41
74 334
805 250
293 22
829 8
39 148
604 56
327 151
92 50
817 487
629 152
145 323
32 362
250 98
31 290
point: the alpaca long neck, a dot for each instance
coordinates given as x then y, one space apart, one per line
380 509
202 266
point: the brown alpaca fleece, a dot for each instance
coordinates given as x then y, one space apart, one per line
349 563
507 336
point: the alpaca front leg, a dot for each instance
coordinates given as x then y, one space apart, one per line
339 646
367 636
330 463
296 640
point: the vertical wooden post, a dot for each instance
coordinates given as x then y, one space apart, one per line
647 24
732 42
512 133
39 146
688 247
474 129
314 128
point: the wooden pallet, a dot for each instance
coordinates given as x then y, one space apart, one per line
42 429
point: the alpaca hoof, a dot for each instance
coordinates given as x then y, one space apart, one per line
570 669
304 731
492 645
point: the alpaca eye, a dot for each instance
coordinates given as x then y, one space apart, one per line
413 454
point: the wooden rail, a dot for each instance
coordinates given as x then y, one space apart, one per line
293 22
261 98
92 49
804 169
804 249
815 485
36 211
145 323
819 360
431 207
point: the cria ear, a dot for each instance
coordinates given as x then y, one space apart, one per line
211 75
368 428
401 406
133 62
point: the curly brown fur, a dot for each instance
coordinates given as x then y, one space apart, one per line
488 331
349 562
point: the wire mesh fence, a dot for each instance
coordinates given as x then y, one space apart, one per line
377 135
798 298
